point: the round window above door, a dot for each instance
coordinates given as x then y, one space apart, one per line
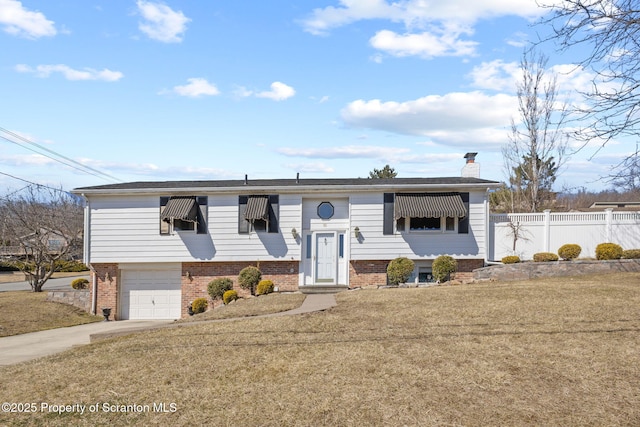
325 210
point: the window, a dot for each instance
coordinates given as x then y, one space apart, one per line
425 275
325 210
183 213
258 213
443 224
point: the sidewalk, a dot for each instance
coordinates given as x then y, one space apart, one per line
20 348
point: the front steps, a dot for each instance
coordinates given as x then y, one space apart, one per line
322 289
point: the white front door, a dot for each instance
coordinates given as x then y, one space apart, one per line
325 257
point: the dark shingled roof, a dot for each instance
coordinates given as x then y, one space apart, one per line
319 183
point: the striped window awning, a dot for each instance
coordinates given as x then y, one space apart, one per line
257 208
182 208
429 205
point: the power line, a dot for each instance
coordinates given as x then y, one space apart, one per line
30 183
67 161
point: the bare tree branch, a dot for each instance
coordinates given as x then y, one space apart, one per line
608 32
42 226
537 144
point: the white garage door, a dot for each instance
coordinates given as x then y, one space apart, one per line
150 294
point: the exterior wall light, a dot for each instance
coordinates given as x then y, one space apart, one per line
107 277
294 233
189 276
356 232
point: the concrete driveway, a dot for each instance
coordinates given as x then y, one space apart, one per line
20 348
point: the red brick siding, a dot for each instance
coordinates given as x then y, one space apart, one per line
107 290
366 273
284 275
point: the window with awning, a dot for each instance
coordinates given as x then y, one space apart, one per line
257 208
436 211
258 213
183 213
181 208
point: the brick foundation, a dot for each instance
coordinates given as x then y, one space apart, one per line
367 273
374 273
283 274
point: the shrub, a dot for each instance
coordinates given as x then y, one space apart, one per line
545 257
511 259
264 287
217 287
443 267
631 254
69 266
608 251
80 283
569 251
399 270
249 278
199 305
229 296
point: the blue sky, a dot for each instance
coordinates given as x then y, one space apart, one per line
146 90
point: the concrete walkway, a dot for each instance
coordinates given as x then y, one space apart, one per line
20 348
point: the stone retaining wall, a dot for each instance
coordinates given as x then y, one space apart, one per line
533 270
78 298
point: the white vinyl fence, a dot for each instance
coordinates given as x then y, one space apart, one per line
547 231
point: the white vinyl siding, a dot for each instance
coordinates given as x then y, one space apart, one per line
126 229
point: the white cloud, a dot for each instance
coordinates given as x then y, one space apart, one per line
161 22
196 87
19 21
343 152
433 27
496 75
279 92
426 45
71 74
416 13
441 118
25 160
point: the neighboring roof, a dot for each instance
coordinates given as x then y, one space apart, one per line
429 205
307 185
615 205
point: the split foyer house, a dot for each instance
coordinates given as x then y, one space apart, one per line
154 246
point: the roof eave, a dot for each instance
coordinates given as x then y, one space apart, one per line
299 188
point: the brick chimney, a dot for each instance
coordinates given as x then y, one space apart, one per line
471 169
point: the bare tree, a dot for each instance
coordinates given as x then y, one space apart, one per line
605 34
537 143
40 226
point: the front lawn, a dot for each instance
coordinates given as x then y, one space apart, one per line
25 311
560 351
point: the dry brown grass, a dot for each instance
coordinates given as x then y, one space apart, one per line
25 311
256 306
551 352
